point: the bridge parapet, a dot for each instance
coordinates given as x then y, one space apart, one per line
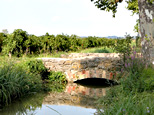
92 66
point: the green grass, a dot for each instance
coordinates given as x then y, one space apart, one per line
59 53
15 82
134 95
20 76
130 104
88 50
54 54
97 50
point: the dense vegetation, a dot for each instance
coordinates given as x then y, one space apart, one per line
20 43
134 95
20 77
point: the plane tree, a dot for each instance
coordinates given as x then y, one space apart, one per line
145 9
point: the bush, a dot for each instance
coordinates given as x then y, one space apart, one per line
57 77
123 46
37 67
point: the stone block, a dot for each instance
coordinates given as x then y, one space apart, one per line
92 74
87 74
83 71
92 64
83 66
97 60
66 67
48 63
101 67
61 62
107 65
74 67
90 60
104 74
68 62
83 61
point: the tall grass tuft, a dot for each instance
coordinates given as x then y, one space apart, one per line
15 82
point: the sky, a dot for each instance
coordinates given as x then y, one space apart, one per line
79 17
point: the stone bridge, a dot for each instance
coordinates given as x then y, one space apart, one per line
79 66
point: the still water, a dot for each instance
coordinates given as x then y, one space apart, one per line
74 99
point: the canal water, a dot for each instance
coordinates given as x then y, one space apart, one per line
73 99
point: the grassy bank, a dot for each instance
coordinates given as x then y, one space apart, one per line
20 76
15 81
134 95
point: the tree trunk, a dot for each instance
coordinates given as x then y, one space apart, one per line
10 55
26 51
146 16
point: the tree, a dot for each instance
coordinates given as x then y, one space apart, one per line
5 31
145 8
15 43
2 37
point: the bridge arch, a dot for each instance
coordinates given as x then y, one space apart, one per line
78 66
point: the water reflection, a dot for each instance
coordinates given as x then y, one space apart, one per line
24 105
75 95
74 98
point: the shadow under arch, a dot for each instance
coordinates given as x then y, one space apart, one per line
96 82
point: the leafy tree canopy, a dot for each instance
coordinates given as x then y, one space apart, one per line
111 5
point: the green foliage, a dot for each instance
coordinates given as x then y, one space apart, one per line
134 63
148 77
25 106
133 6
136 27
132 71
112 5
132 82
15 82
151 2
37 67
137 104
57 77
2 37
15 43
19 43
56 86
134 95
9 45
107 5
98 50
124 46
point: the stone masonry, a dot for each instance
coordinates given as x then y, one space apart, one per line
78 66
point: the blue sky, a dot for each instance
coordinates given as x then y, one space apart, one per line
78 17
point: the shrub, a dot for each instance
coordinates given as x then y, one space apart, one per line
123 46
37 67
57 77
